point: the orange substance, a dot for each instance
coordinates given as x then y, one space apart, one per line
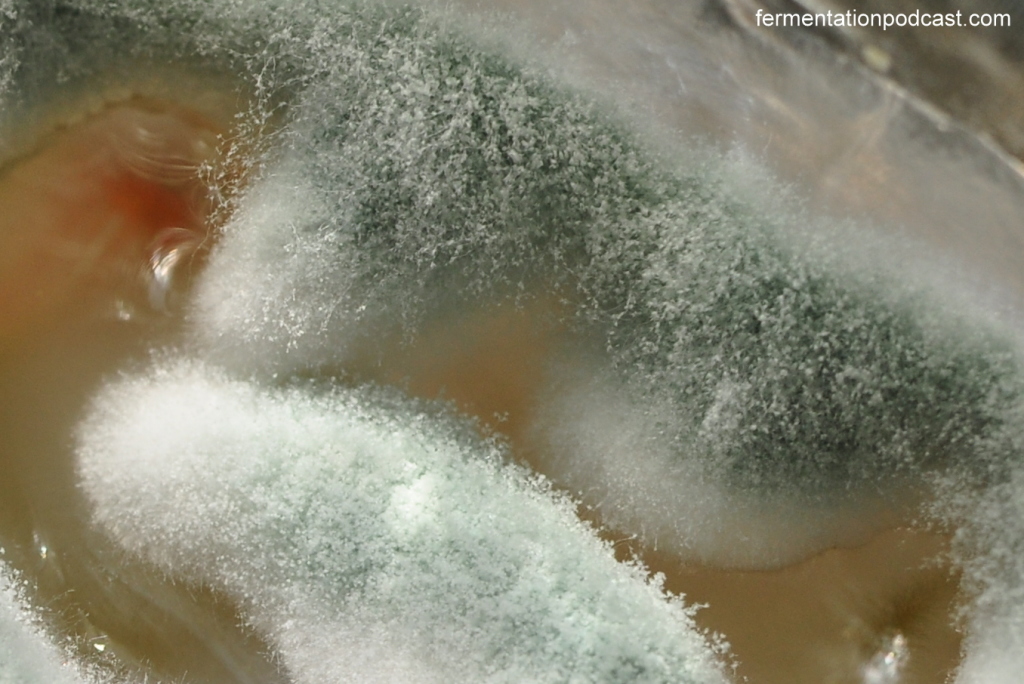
145 205
83 215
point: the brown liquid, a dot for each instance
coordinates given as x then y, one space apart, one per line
79 222
825 619
86 222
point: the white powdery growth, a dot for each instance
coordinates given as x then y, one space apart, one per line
369 543
995 650
610 445
26 655
989 546
297 276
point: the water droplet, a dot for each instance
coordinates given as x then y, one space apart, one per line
888 662
171 248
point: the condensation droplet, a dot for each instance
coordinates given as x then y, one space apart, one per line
171 248
888 662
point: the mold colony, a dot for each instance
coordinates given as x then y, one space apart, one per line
675 349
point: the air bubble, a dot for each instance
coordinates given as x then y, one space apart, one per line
888 662
171 250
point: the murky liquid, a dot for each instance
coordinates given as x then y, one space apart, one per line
105 223
491 364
